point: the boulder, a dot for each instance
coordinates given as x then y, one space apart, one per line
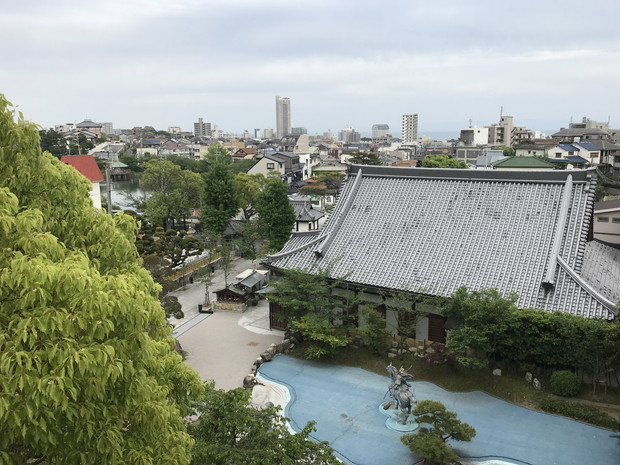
391 355
497 372
249 381
528 377
536 384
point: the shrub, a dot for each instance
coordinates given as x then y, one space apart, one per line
579 412
565 383
374 332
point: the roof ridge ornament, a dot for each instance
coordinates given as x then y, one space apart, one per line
549 282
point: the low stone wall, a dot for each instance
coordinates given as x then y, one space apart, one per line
230 306
285 346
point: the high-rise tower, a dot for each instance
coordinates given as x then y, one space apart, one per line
410 128
283 116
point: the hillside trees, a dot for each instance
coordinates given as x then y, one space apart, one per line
88 373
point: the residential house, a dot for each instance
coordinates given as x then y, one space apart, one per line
173 147
428 232
607 221
307 218
610 154
87 166
295 143
91 126
531 150
285 163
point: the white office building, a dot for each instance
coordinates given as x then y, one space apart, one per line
410 128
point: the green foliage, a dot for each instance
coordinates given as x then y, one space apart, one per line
88 373
173 192
430 447
217 153
276 214
577 411
365 158
599 192
189 164
565 383
374 331
508 151
442 161
220 199
177 247
324 336
430 442
486 317
248 189
52 142
493 329
229 431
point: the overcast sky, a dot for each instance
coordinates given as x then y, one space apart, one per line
342 63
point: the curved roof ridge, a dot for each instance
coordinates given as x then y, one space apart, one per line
608 304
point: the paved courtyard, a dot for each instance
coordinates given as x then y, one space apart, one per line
344 402
222 346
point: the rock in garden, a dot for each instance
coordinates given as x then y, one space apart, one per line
536 384
528 377
497 372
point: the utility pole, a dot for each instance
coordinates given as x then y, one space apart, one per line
108 185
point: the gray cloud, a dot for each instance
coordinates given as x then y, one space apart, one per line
342 63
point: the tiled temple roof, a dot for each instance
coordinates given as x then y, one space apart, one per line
430 231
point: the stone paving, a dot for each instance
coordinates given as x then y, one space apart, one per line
223 346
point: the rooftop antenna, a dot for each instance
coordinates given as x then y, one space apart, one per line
470 122
501 112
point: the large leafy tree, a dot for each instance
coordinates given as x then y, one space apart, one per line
430 441
229 432
221 200
174 192
277 216
442 161
486 317
88 373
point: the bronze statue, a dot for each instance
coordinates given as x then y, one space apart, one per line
399 390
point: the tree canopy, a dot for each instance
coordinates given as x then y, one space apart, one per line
442 161
277 216
365 158
229 432
430 441
220 200
88 373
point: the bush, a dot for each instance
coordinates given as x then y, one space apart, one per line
579 412
565 383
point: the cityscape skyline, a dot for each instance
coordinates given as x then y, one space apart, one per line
448 62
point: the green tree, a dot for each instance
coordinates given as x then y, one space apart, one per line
508 151
365 158
173 192
221 200
229 432
442 161
486 317
52 142
275 212
88 373
430 442
312 308
248 188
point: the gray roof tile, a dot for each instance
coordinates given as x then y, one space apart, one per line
430 231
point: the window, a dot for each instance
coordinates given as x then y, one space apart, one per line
271 166
615 220
603 219
594 154
558 154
